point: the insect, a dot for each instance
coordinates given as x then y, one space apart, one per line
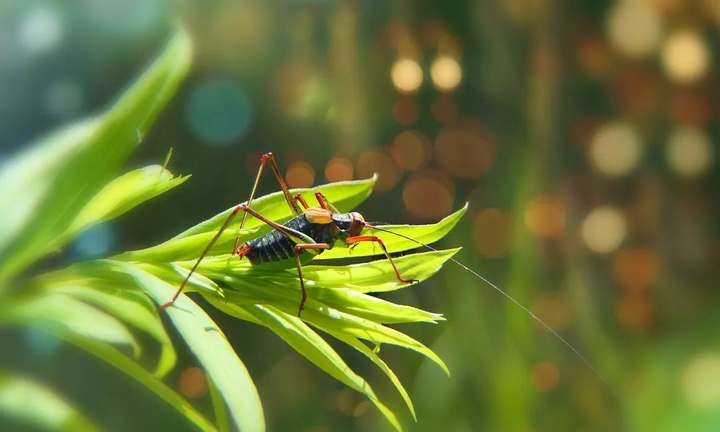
316 229
297 241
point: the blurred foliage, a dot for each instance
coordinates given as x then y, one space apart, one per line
92 304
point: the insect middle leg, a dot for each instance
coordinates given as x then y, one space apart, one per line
268 157
369 238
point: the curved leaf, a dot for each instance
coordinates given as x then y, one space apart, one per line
310 345
346 195
123 194
129 308
61 314
188 244
115 358
65 170
427 234
213 351
31 403
372 355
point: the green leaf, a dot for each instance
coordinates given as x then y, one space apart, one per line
61 314
188 245
221 418
337 321
378 275
370 307
44 189
427 234
115 358
213 351
375 358
30 403
310 345
123 194
129 307
346 195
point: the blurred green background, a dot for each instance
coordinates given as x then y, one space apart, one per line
583 134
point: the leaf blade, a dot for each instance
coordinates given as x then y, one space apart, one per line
212 350
31 403
85 157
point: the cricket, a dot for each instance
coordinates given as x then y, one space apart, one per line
316 229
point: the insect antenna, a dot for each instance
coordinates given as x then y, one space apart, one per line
512 299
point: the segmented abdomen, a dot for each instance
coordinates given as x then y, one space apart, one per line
275 246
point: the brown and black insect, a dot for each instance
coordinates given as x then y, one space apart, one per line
316 229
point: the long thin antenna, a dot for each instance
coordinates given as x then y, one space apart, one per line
512 299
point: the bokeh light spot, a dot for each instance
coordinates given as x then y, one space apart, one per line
603 229
491 233
444 109
219 112
406 75
635 268
634 27
41 30
94 241
445 73
634 311
545 216
428 195
701 380
552 308
411 150
689 152
361 408
406 110
192 383
466 151
339 169
371 162
544 376
615 149
300 174
685 56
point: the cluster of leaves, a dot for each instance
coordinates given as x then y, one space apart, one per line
65 184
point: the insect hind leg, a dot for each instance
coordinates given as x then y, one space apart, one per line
300 248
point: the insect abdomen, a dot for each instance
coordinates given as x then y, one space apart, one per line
275 246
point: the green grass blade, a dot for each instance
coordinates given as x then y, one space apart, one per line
378 275
370 307
30 403
125 364
310 345
375 358
221 417
338 321
213 351
427 234
346 195
68 168
128 307
123 194
188 244
62 314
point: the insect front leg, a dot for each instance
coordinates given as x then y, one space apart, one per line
368 238
268 157
325 203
